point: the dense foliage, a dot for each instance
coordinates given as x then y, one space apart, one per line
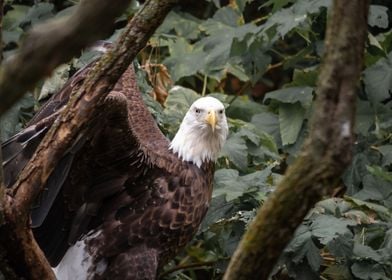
260 58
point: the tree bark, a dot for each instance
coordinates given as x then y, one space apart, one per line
16 237
326 153
53 43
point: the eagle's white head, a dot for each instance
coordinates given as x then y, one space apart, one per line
202 132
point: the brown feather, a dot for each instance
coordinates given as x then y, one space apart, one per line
122 181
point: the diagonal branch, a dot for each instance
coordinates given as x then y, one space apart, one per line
53 43
325 155
73 122
86 102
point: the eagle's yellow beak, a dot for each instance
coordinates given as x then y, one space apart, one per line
211 119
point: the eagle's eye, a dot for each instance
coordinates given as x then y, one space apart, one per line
220 112
197 111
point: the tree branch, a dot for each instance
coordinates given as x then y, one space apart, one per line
325 155
53 43
81 108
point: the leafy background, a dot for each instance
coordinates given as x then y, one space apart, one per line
261 59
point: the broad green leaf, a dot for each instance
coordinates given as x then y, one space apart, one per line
183 24
337 272
277 4
220 208
378 16
185 59
236 150
368 271
291 117
291 95
379 172
228 182
342 245
364 252
304 78
241 104
375 189
322 229
55 81
269 123
386 151
38 13
382 212
287 19
378 79
365 117
14 17
12 121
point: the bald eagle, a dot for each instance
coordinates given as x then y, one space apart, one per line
123 199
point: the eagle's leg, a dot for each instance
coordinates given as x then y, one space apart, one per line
138 263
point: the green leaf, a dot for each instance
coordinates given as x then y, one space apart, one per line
11 121
386 151
378 16
380 173
185 59
277 4
302 95
220 208
375 189
228 182
291 117
185 25
378 79
287 19
364 252
236 150
268 122
38 12
13 18
341 246
322 229
368 271
241 104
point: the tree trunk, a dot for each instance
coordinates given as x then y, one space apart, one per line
325 155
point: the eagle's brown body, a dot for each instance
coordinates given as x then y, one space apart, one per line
119 184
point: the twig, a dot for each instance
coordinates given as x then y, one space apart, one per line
53 43
199 265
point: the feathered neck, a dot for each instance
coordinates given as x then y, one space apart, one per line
197 145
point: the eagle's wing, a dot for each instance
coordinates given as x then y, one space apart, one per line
96 167
19 149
